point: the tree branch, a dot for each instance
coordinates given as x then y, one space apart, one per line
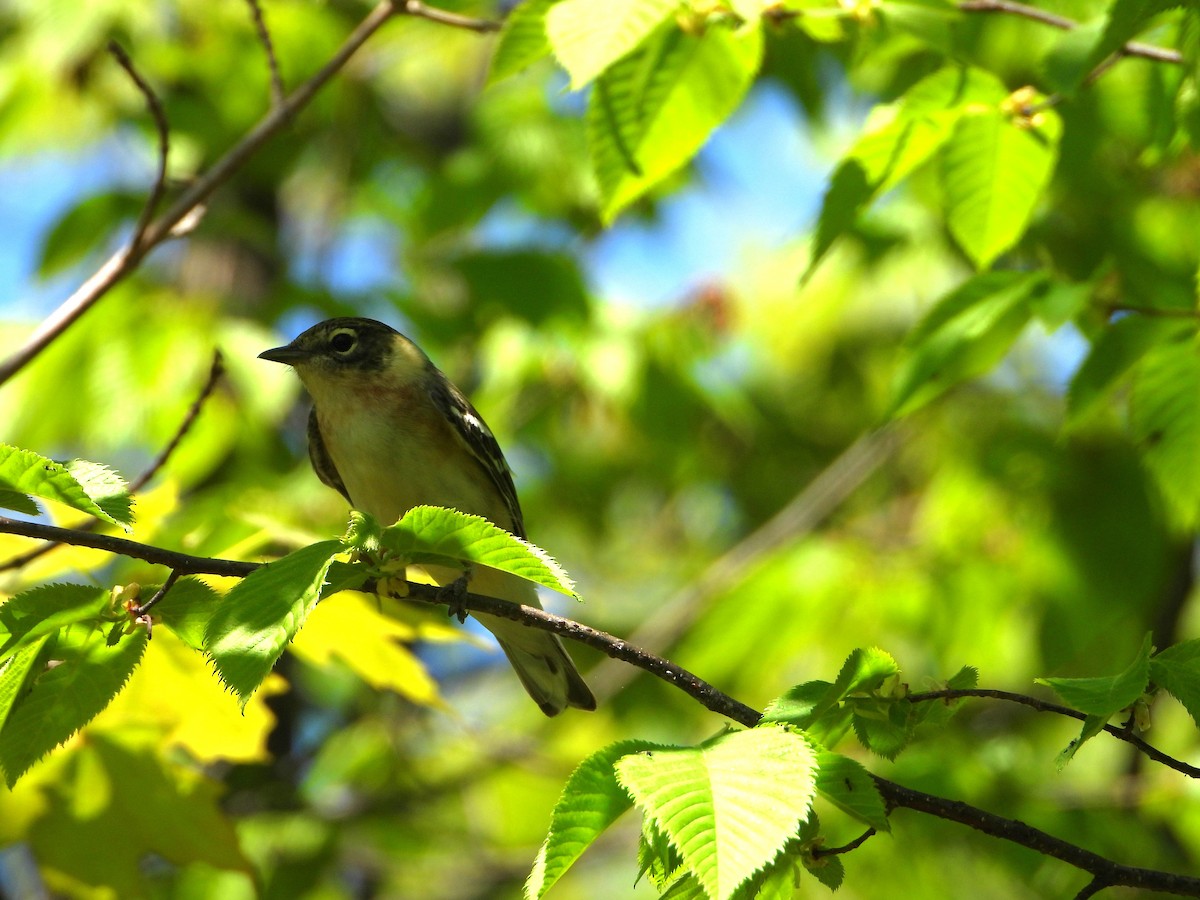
1105 872
183 210
264 37
1120 734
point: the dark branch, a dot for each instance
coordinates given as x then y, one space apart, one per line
845 848
419 10
1105 872
264 38
1120 734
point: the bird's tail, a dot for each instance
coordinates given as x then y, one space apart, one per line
541 662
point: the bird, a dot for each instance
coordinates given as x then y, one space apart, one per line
389 431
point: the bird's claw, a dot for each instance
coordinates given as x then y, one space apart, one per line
453 595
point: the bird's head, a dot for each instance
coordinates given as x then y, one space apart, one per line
340 353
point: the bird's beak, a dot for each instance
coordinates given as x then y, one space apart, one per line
288 355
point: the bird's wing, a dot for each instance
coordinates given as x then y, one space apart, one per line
477 438
322 462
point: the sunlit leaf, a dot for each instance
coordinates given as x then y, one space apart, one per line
41 611
88 487
588 37
729 806
522 40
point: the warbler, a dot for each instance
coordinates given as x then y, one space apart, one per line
389 431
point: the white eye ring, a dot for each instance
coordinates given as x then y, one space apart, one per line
341 346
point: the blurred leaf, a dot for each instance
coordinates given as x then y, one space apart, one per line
650 112
118 794
965 334
87 673
591 800
22 503
88 487
729 806
84 226
1164 420
1126 19
1113 354
535 285
43 610
430 534
522 40
587 38
262 613
930 21
994 169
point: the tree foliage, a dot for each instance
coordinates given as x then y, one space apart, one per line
883 497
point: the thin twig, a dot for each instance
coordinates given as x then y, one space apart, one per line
419 10
158 595
818 852
1130 48
124 261
159 115
216 370
264 38
1120 734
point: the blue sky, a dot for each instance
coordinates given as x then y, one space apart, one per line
760 181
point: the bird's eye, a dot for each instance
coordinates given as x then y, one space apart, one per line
343 342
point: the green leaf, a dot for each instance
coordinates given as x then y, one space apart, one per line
1114 353
883 726
966 333
863 670
1177 671
263 612
848 786
1164 421
1126 18
797 705
88 487
41 611
522 40
930 21
993 171
650 112
588 37
658 860
88 674
430 534
1109 694
1092 726
187 609
84 227
14 674
22 503
591 800
899 138
729 806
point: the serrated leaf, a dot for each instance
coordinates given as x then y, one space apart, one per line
430 534
1109 694
1092 726
522 40
993 171
43 610
88 674
1164 421
587 37
964 679
863 670
26 472
848 786
14 675
797 705
966 333
1177 671
591 800
1114 353
651 111
22 503
884 727
730 806
263 612
827 869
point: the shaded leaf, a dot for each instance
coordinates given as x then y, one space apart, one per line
1109 694
41 611
522 40
848 786
262 613
1177 671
